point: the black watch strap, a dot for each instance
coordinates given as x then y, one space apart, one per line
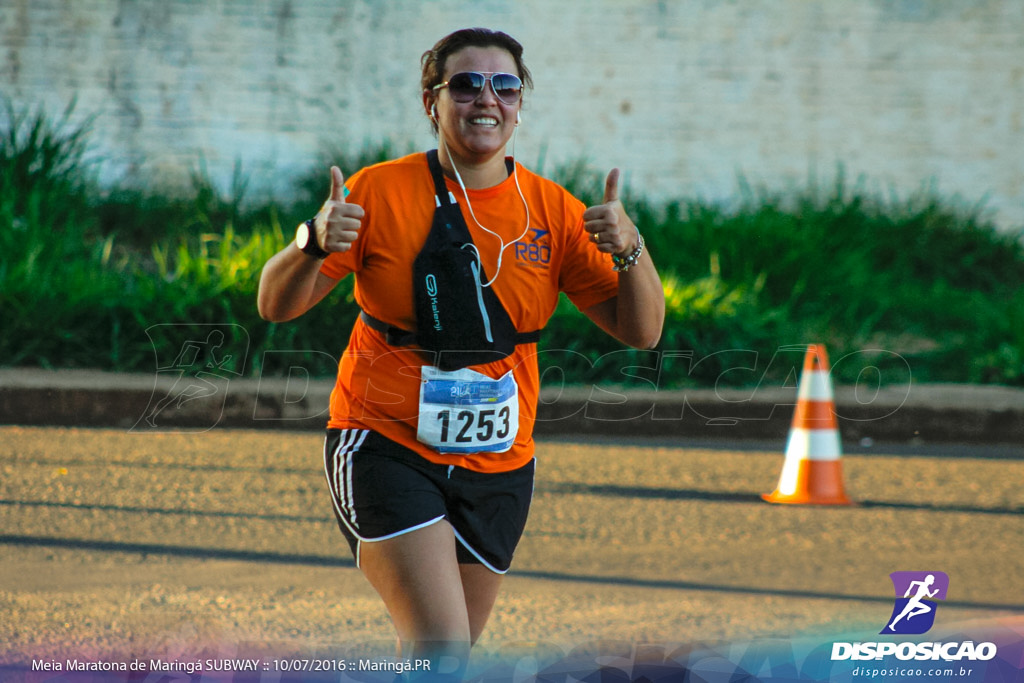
311 246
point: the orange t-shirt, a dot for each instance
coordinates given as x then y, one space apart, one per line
378 386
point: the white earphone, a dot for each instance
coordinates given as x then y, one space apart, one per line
519 119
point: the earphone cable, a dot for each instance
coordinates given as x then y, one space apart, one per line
469 204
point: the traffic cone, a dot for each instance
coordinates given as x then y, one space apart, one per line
813 473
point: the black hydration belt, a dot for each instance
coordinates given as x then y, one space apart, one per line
396 336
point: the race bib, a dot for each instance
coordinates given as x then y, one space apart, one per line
467 412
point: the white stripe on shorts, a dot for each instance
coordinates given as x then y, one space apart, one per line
477 555
341 486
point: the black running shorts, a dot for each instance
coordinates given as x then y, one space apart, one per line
381 489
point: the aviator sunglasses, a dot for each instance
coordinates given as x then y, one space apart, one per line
466 86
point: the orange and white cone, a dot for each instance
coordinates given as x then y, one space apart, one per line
813 472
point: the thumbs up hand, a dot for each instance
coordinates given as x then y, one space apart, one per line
610 228
338 223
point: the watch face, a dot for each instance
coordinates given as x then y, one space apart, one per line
305 240
302 236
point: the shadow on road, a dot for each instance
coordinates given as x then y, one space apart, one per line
167 511
737 497
327 561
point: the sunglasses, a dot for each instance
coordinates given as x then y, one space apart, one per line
466 86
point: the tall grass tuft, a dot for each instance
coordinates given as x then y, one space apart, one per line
43 169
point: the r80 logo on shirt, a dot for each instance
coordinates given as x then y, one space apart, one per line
535 252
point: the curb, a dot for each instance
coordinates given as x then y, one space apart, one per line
934 413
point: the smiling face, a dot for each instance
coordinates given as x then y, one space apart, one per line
475 132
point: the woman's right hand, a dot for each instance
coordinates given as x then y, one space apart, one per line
338 222
291 282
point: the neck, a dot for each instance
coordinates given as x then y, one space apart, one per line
476 173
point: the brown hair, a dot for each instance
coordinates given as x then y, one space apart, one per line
433 60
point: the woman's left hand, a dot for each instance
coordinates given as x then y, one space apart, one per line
635 315
609 226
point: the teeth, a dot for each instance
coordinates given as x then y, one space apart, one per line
484 121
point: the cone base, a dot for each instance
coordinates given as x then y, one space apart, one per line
778 498
817 482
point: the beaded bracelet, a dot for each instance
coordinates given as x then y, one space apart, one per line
624 263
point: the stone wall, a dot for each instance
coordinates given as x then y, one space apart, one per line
686 96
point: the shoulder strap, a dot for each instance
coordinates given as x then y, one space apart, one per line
444 197
440 188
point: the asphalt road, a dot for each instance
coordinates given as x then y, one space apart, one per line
121 544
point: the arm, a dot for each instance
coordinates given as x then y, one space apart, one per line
634 316
291 282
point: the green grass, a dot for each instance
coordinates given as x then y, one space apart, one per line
888 283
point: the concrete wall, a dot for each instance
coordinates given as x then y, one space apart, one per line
684 95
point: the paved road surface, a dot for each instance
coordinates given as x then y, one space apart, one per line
120 544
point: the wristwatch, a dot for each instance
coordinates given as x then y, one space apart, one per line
305 240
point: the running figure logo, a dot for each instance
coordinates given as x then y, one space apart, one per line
190 388
914 612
